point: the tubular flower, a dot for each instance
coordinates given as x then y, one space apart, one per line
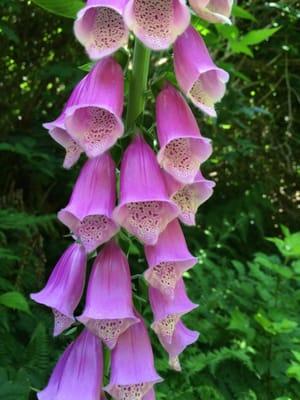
217 11
132 366
89 212
157 23
182 337
78 373
108 310
199 78
168 311
182 148
189 197
57 130
100 27
168 260
144 209
95 121
64 288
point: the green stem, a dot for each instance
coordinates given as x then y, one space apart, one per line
138 84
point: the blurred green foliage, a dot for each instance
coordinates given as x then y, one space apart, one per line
248 287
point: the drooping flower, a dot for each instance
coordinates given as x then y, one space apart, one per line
100 27
144 208
132 366
89 212
167 311
157 23
64 288
168 260
57 130
217 11
182 148
108 310
199 78
95 121
182 337
78 373
189 197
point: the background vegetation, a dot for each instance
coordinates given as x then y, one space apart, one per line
247 285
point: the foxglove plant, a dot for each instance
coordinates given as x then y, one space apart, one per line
154 190
100 27
89 212
213 10
182 148
63 291
109 312
198 77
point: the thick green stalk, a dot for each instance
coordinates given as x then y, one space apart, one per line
138 84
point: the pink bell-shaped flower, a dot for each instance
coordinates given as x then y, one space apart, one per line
216 11
57 130
64 288
189 197
95 121
199 78
182 337
108 310
100 27
132 366
168 259
157 23
89 212
78 373
182 148
144 208
167 311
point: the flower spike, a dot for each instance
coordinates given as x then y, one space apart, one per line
182 148
144 208
95 121
100 27
108 310
157 23
199 78
89 212
64 288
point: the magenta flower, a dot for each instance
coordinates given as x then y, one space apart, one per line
78 373
182 337
57 130
89 212
132 366
189 197
144 208
182 148
199 78
64 288
157 23
95 121
100 27
108 310
168 260
217 11
167 311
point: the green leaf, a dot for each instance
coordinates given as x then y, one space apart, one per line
15 300
258 36
65 8
240 12
294 371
